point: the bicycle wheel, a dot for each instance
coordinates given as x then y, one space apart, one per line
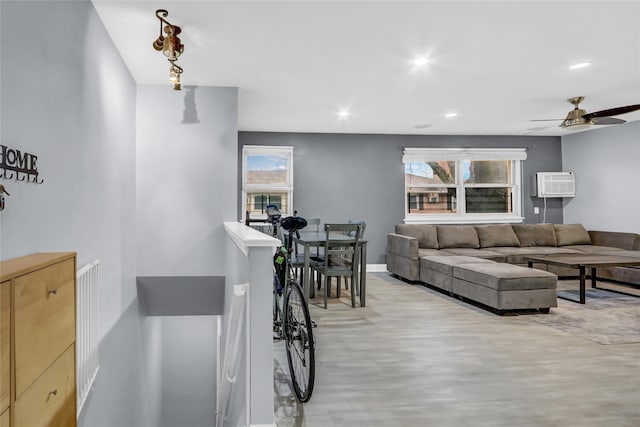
299 342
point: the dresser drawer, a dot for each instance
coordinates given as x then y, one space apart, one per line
4 418
51 400
5 344
44 320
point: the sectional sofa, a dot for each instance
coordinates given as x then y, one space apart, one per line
485 263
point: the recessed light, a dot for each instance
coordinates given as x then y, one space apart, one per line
344 113
420 61
579 65
450 115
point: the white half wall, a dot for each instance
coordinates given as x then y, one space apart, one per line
606 163
186 177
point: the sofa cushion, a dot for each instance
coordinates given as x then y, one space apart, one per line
535 234
503 277
445 264
432 252
479 253
592 249
426 234
492 235
571 234
622 252
517 255
457 236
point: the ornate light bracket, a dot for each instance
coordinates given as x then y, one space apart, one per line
170 45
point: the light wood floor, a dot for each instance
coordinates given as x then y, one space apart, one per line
415 357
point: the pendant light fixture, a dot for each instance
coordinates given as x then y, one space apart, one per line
170 45
174 75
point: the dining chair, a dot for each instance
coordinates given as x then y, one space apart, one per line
363 226
297 257
340 257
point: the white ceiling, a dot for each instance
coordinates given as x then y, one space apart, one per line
296 63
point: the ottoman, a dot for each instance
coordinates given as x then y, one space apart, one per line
506 286
437 271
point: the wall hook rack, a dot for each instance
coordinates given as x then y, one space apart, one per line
3 191
18 165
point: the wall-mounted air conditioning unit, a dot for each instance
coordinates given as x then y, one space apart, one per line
555 184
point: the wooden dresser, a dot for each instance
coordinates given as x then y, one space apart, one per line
38 333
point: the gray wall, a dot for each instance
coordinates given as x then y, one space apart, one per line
350 176
189 345
157 371
128 390
186 147
68 98
606 163
74 107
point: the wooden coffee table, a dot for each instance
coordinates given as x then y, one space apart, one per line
582 262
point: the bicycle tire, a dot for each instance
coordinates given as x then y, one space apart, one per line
274 306
299 341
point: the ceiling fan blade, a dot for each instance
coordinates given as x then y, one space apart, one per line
612 111
607 121
546 120
535 129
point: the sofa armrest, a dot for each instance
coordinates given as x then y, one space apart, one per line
403 246
629 241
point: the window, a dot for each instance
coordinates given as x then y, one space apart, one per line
463 185
267 179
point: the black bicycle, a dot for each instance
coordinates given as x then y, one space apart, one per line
291 319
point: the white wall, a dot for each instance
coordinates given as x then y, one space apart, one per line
606 163
186 178
68 98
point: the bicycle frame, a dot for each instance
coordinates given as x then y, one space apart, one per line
288 274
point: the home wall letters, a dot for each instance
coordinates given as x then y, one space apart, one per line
18 165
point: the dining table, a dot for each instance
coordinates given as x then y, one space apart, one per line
310 239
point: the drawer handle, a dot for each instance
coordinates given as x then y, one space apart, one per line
53 291
54 393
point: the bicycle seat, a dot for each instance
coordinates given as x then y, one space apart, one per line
293 223
273 213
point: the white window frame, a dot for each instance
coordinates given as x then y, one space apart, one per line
267 150
516 155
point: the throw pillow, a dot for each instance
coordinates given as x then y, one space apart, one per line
535 234
492 235
426 235
571 234
457 236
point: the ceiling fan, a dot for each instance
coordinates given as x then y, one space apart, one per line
578 118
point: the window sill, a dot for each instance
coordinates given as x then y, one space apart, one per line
459 219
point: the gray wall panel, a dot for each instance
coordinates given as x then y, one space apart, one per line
185 178
76 111
355 176
606 163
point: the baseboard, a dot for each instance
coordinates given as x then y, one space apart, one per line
376 268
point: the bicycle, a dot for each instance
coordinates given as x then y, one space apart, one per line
291 319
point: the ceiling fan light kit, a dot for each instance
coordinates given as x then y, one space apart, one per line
578 118
575 119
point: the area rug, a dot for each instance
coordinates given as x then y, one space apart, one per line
606 318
